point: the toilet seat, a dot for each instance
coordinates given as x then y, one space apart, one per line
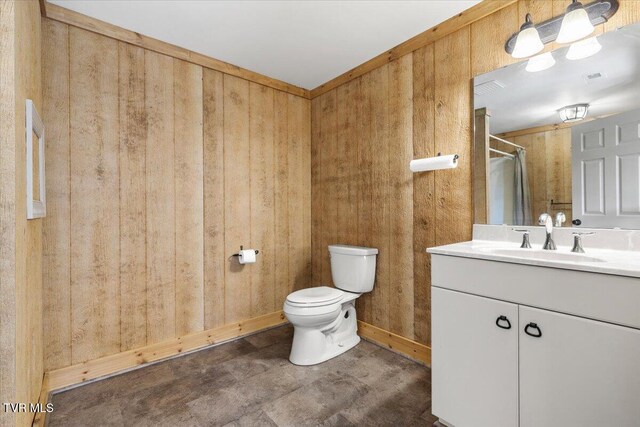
317 301
315 297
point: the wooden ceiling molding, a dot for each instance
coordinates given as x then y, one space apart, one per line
79 20
451 25
425 38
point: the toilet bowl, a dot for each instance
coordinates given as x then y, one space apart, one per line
324 318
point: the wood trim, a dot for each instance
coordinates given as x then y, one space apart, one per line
475 13
40 418
79 20
480 168
425 38
539 129
43 7
119 362
409 348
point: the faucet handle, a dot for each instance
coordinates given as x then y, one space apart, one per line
525 237
577 240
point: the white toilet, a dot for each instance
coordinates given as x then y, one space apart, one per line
324 318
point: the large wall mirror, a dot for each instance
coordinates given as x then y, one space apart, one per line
560 133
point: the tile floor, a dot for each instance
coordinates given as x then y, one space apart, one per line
250 382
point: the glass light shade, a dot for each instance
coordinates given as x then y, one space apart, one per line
584 48
528 43
540 62
575 25
573 113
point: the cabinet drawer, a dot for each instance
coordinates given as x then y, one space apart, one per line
614 299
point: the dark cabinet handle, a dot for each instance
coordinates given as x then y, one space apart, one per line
576 222
503 319
537 332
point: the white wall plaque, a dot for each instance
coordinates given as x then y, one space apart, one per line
36 199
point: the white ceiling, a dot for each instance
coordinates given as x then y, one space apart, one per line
305 43
532 99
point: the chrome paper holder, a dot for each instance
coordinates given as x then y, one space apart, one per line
241 248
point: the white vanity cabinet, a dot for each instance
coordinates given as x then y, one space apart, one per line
554 366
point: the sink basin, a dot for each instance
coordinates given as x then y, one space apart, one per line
616 253
543 255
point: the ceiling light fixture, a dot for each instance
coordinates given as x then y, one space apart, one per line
584 48
575 24
573 113
528 42
540 62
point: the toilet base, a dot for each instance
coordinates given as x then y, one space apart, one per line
312 346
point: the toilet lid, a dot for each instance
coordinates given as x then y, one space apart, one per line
321 295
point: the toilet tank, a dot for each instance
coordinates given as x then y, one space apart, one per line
353 268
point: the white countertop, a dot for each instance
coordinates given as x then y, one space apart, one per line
615 262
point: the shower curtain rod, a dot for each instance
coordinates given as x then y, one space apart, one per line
511 156
506 142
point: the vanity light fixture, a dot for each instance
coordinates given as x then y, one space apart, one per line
528 41
540 62
575 24
573 113
584 48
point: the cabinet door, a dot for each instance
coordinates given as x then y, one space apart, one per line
579 372
474 360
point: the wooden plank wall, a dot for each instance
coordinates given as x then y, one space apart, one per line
21 341
8 212
29 298
364 134
158 170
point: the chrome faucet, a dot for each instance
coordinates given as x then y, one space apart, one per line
560 219
546 220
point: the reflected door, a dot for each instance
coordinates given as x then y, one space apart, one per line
606 171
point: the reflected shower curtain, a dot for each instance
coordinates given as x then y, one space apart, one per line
522 196
501 190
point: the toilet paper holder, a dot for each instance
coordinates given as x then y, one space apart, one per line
241 248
